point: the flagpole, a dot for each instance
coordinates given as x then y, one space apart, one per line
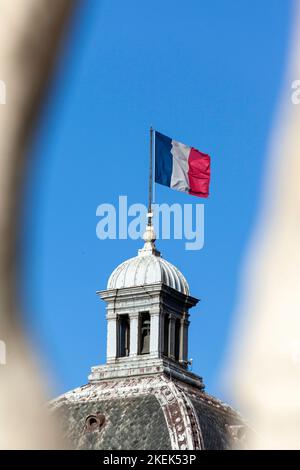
150 194
153 180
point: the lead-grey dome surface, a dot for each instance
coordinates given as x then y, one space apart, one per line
147 413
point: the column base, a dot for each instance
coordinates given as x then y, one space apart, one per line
132 367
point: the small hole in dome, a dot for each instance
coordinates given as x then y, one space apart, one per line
94 422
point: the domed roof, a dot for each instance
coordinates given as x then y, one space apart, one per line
147 268
141 413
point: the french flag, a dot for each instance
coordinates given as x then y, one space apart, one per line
181 167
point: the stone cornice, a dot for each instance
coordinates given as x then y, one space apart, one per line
150 290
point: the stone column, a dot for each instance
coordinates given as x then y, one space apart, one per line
183 350
161 334
134 334
172 321
111 345
154 333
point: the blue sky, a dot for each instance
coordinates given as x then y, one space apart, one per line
207 73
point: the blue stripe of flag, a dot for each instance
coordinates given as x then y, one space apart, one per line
163 159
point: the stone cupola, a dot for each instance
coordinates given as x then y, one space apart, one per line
145 397
147 315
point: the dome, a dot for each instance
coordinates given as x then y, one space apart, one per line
147 413
147 268
142 270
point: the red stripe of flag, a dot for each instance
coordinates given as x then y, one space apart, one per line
199 173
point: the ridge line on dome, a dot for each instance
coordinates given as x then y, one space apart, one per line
138 266
139 270
126 268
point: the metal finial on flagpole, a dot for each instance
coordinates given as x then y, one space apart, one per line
150 195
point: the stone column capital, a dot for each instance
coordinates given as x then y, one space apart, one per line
134 315
154 313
